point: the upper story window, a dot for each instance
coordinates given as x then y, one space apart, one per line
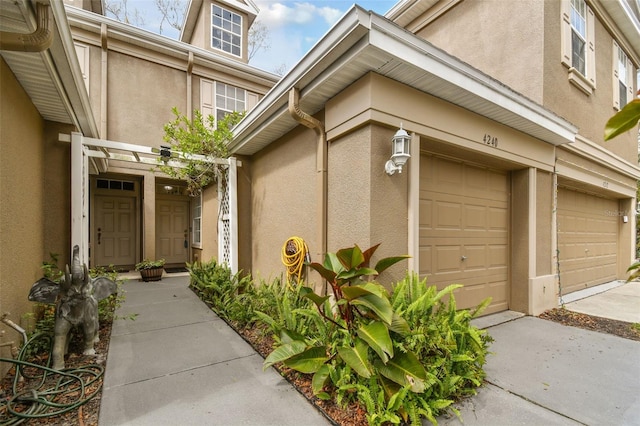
622 77
226 30
578 44
228 99
219 99
578 35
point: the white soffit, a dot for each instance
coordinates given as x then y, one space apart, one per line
627 21
365 42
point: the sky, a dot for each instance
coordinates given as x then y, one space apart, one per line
294 26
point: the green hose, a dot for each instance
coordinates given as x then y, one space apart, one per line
44 390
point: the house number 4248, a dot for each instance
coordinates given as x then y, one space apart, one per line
490 140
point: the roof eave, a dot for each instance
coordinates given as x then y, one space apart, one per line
384 35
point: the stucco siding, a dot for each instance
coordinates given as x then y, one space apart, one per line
284 196
22 213
141 95
504 39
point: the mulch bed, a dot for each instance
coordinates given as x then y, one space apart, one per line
354 415
589 322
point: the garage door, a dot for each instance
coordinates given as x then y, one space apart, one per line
464 230
587 239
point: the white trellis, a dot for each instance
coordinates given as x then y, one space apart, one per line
94 153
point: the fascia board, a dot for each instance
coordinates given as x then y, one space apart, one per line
68 69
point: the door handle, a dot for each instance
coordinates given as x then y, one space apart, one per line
463 258
99 234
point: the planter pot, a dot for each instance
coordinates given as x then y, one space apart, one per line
153 274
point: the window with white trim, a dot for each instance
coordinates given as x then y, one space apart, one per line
226 30
219 99
196 221
578 44
622 78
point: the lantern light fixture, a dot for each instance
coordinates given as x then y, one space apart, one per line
400 152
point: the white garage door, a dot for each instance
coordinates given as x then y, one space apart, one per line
587 239
464 230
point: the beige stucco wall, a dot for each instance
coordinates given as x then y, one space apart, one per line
504 39
138 106
22 213
367 206
283 200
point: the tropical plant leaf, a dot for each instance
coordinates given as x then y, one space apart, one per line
399 325
320 379
309 294
368 253
327 274
376 334
355 273
405 369
284 352
332 263
389 261
624 120
308 361
351 257
380 305
356 358
288 336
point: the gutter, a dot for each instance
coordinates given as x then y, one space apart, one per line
37 41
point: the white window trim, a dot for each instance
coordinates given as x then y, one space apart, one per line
195 244
629 74
241 32
208 98
586 83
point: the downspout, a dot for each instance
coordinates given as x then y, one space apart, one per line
37 41
321 167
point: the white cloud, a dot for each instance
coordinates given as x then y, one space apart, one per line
279 14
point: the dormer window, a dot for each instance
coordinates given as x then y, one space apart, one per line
226 30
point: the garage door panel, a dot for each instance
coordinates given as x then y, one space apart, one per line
587 239
464 223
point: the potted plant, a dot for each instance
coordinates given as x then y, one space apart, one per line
150 270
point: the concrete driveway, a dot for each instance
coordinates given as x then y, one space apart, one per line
545 373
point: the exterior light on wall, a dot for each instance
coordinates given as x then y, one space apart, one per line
400 154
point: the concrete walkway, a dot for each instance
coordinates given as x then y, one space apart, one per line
177 363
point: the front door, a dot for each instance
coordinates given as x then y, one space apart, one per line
172 230
115 238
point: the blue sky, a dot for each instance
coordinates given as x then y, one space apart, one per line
294 26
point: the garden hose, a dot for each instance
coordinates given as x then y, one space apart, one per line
40 391
294 255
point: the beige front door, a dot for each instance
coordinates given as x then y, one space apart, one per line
587 239
115 231
172 230
464 230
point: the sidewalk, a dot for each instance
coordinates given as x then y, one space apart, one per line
177 363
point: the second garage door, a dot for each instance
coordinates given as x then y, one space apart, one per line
464 230
587 239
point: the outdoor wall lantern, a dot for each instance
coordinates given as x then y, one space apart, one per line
400 152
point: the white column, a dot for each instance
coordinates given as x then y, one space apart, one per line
413 207
233 214
79 197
